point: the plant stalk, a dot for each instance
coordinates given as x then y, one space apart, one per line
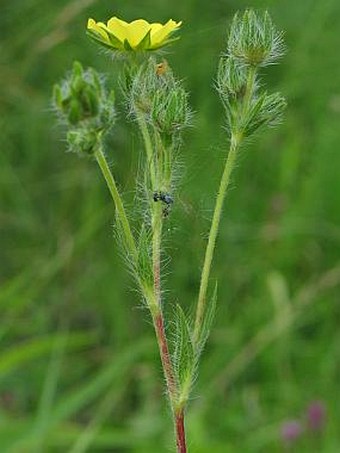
154 300
180 432
148 147
112 186
236 138
225 181
158 318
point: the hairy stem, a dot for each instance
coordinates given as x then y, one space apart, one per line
236 138
157 178
158 317
148 147
209 253
156 250
158 321
112 186
180 432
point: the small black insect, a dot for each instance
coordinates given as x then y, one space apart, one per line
165 198
156 196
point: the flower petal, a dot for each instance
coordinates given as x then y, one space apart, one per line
160 35
137 30
94 26
118 28
137 36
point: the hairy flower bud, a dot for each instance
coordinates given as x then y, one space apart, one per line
254 40
169 110
155 93
231 78
83 103
84 141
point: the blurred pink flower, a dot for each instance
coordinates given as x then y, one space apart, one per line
291 431
316 415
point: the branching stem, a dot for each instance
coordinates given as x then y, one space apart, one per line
236 138
158 177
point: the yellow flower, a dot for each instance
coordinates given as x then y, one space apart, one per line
136 35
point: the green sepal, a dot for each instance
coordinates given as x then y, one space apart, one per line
98 39
145 42
90 102
96 80
58 96
163 44
127 45
77 69
116 43
78 84
74 114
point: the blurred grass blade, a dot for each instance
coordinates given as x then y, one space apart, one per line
49 390
85 394
30 350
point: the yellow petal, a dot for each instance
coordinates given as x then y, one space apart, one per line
160 35
120 21
96 27
156 27
123 35
137 31
118 28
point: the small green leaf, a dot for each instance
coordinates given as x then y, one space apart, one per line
184 357
207 322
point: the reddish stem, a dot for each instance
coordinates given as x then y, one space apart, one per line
158 321
165 354
180 432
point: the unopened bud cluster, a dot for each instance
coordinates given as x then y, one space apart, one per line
85 106
253 42
156 94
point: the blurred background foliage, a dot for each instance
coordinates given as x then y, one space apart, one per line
79 369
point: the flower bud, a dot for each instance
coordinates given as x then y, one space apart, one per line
231 78
170 112
81 98
254 40
156 94
82 141
85 106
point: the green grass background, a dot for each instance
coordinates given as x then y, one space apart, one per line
79 369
